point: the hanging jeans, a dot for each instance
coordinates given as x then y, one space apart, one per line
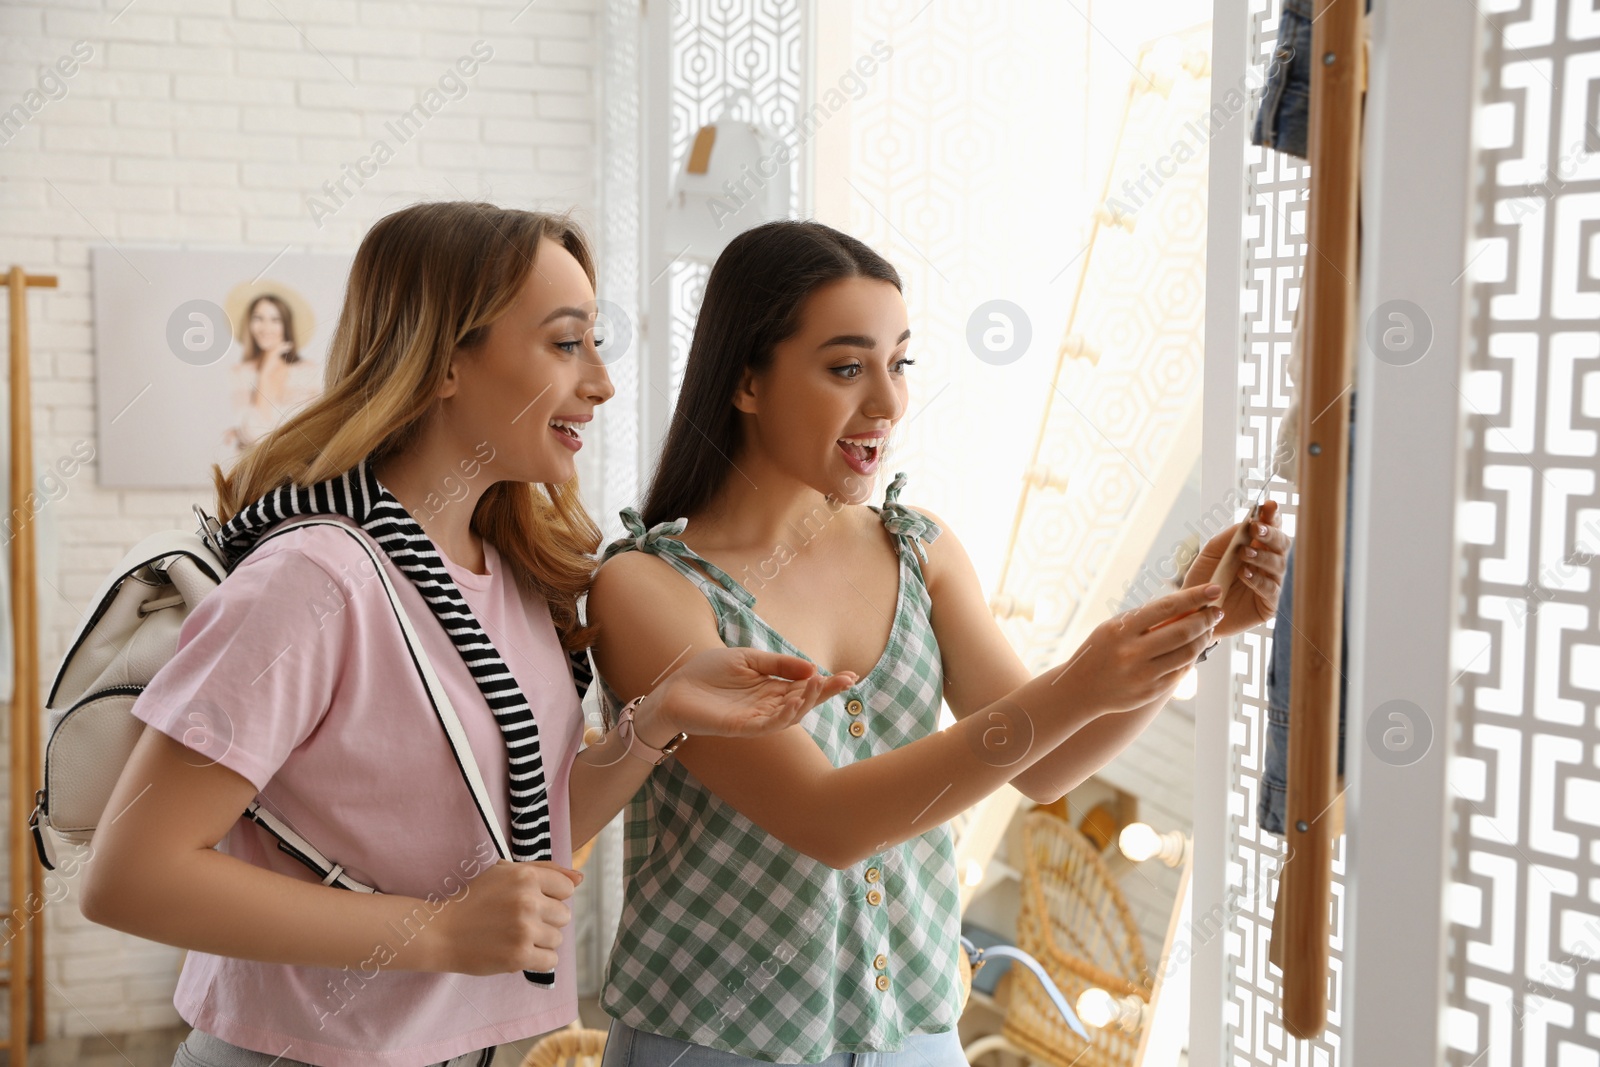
1284 115
1275 764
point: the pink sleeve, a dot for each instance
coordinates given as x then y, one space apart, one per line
256 667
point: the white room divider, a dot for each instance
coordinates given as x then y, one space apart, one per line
1255 255
1524 852
1467 911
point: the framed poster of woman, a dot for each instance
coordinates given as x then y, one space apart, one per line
273 375
199 353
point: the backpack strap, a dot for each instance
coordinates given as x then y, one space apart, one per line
301 849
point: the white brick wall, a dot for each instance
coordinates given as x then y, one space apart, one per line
208 124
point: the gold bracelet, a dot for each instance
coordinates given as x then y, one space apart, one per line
627 728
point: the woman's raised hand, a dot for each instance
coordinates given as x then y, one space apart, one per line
1252 597
1125 664
741 692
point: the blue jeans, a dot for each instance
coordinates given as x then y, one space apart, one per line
201 1049
1275 763
1285 110
1284 116
627 1047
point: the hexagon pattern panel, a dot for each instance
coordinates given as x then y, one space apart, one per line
747 54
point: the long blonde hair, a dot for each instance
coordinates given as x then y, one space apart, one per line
429 279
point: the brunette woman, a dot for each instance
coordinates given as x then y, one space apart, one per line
792 898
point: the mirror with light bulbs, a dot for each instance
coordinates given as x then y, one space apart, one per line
1162 1022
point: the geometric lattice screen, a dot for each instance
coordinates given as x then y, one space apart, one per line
1524 971
722 49
1274 249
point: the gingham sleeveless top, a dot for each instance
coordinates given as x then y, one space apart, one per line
732 939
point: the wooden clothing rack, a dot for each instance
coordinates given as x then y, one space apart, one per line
23 967
1329 293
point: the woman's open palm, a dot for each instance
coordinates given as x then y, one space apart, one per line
742 692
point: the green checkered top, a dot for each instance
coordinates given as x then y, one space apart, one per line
732 939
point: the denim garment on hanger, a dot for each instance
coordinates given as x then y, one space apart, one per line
1275 762
1283 118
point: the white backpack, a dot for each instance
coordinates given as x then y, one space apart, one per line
129 634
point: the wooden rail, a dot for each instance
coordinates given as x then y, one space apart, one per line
24 956
1329 292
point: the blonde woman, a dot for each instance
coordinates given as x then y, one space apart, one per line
463 372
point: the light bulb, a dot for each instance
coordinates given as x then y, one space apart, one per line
1139 841
972 874
1096 1008
1101 1010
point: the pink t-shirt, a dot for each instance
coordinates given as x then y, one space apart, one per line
294 674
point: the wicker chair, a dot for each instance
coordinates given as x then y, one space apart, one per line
572 1047
1075 922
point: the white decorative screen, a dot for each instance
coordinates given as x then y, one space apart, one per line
1524 986
722 49
1276 197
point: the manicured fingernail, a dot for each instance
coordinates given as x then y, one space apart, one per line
1216 615
1263 531
1251 552
1213 590
1248 573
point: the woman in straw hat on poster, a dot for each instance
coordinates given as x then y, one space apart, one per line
273 377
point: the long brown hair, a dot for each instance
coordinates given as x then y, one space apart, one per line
753 301
429 279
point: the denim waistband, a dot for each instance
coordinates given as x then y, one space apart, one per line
202 1049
